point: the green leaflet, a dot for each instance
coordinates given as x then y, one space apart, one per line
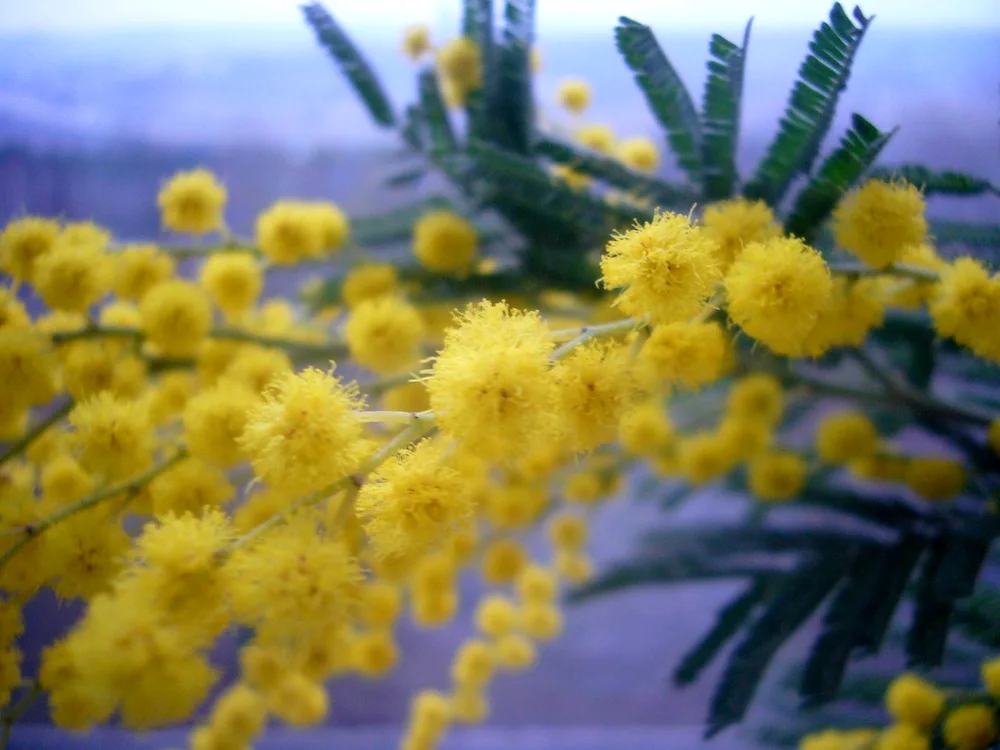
352 63
811 106
514 109
441 137
665 93
936 183
477 25
842 169
975 236
893 574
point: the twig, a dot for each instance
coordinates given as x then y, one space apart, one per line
586 333
18 710
25 441
897 269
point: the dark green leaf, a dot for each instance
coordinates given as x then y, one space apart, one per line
966 234
665 93
893 574
798 598
720 116
928 632
406 177
940 183
514 109
811 107
441 137
842 169
728 623
351 62
477 25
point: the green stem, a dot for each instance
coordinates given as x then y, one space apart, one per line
39 429
35 530
586 333
897 269
94 332
18 710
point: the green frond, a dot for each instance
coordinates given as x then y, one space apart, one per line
936 183
406 177
811 106
665 93
720 115
477 25
515 107
842 169
893 574
352 63
979 237
441 137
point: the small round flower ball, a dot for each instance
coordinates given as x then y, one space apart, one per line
935 477
182 545
777 290
432 609
743 437
758 396
502 562
444 242
333 224
666 268
368 281
734 224
73 276
972 726
686 354
176 316
913 700
374 653
567 531
846 436
239 714
191 486
514 652
28 365
704 456
416 41
597 137
62 479
114 436
384 334
411 397
574 566
469 706
583 487
901 737
287 232
855 309
990 672
22 242
639 153
214 420
12 311
966 307
777 476
381 603
460 62
430 710
233 281
474 663
645 429
138 268
540 621
192 202
879 220
574 94
297 700
495 615
537 584
256 366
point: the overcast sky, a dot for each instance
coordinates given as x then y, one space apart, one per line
87 16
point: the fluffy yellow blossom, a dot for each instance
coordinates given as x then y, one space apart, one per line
73 276
567 531
368 281
474 663
583 487
854 310
971 727
495 616
214 420
744 438
381 602
88 550
666 268
541 621
169 395
192 202
239 714
288 232
233 281
22 242
12 312
595 388
384 333
374 653
444 242
537 584
574 94
879 220
433 608
460 62
935 478
63 479
966 307
735 223
416 41
411 397
183 544
777 290
902 737
176 315
256 366
756 397
777 476
333 224
686 354
574 565
846 436
114 436
491 384
514 652
597 137
469 705
515 506
705 456
639 153
912 700
138 268
503 561
189 486
645 428
27 361
90 367
298 700
306 433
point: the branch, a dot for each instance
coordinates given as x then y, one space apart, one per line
25 441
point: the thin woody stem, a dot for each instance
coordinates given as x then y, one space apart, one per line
25 441
897 269
587 333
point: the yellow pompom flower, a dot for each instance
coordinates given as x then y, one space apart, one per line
541 621
846 436
966 307
990 672
575 566
368 281
495 616
22 242
381 602
503 561
491 384
414 502
88 551
298 700
444 242
411 397
138 268
777 290
416 41
514 652
516 506
567 531
756 397
474 663
239 714
902 737
879 220
190 486
584 487
181 545
460 62
469 706
306 433
90 367
686 354
114 436
595 388
574 94
192 202
73 276
27 367
645 429
639 153
854 310
537 584
12 311
332 223
666 268
176 315
287 233
384 333
63 479
912 700
214 420
935 478
744 438
256 366
597 137
735 223
233 281
777 476
704 456
971 727
374 653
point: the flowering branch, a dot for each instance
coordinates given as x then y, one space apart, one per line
24 442
586 333
897 269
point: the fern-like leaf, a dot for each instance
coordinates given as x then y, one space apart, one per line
352 63
842 169
665 93
980 237
514 110
936 183
441 137
477 25
720 117
811 106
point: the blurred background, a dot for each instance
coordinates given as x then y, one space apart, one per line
101 100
